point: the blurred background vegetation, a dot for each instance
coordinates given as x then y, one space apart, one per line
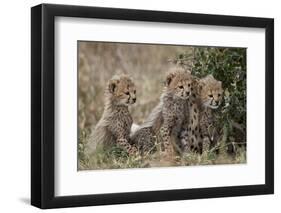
147 65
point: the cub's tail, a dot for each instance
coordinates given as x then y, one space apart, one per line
144 136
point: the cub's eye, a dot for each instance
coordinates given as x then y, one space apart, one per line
127 93
219 95
210 95
181 87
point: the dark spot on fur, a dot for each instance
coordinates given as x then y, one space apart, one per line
201 136
191 121
192 140
195 110
193 132
194 116
196 128
194 95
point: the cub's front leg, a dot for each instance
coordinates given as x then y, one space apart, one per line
166 131
122 138
184 140
206 142
126 145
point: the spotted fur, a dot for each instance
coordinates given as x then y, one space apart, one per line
116 121
200 133
167 117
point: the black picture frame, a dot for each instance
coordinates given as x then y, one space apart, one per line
43 102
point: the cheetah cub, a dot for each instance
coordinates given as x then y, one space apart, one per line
200 132
167 117
116 121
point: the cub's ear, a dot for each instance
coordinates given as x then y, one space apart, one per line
210 76
112 85
220 86
195 84
200 85
195 81
169 78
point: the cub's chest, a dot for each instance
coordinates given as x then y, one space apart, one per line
123 117
178 109
206 117
177 112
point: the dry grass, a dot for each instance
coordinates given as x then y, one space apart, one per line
147 65
116 158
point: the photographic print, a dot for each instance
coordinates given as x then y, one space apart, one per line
154 105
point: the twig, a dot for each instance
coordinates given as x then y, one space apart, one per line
219 146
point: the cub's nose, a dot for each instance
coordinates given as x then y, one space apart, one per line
188 93
134 100
217 102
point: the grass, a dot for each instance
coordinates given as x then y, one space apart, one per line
115 157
